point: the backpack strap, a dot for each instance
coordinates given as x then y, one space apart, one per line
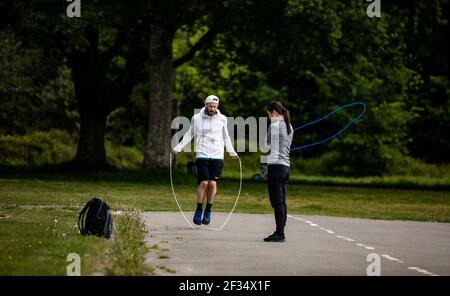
81 220
107 229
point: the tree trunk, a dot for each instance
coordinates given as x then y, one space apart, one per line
91 145
96 94
161 72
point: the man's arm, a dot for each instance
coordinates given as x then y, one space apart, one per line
187 137
227 141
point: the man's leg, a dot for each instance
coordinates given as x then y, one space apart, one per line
201 191
202 177
215 170
212 190
200 197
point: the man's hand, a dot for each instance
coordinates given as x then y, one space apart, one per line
173 152
235 157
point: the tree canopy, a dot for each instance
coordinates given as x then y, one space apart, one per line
125 68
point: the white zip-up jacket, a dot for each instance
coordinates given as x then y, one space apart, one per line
210 134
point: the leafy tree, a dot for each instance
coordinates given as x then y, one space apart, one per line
316 56
166 18
33 96
18 84
423 26
106 50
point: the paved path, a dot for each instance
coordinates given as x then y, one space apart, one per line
315 245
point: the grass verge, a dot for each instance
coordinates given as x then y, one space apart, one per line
37 239
38 214
127 254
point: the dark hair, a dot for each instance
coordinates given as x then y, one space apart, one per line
277 106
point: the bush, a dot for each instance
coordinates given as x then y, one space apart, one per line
408 166
331 164
123 157
56 146
37 148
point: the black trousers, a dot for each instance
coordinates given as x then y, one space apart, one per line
277 176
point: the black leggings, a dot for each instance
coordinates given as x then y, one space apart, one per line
277 176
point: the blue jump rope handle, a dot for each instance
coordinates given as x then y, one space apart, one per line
325 117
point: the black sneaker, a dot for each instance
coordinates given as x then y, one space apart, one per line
270 236
275 237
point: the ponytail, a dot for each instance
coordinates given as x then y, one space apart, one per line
277 106
287 120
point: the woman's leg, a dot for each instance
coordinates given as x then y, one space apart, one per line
284 206
277 177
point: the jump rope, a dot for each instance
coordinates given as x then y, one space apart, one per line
354 119
325 117
229 215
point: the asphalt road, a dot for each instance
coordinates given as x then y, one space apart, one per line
315 245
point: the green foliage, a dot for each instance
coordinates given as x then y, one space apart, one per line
57 104
36 148
323 54
125 126
31 98
123 157
429 131
422 29
373 144
219 70
313 55
406 166
18 78
56 147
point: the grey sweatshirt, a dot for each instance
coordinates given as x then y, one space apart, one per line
279 143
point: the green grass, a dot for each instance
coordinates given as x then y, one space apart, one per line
408 174
34 244
127 254
37 241
396 182
149 193
36 238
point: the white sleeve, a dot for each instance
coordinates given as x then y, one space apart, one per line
227 140
187 137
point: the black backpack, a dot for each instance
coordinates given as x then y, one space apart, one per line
95 219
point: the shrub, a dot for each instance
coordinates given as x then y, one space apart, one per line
56 146
123 157
326 165
36 148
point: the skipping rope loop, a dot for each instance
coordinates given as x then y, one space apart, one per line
325 117
181 211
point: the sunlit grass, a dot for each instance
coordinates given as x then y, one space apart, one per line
34 244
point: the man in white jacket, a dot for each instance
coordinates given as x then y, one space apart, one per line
210 133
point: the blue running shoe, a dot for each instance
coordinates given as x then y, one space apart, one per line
206 217
198 217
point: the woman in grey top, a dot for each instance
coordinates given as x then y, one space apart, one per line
279 139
